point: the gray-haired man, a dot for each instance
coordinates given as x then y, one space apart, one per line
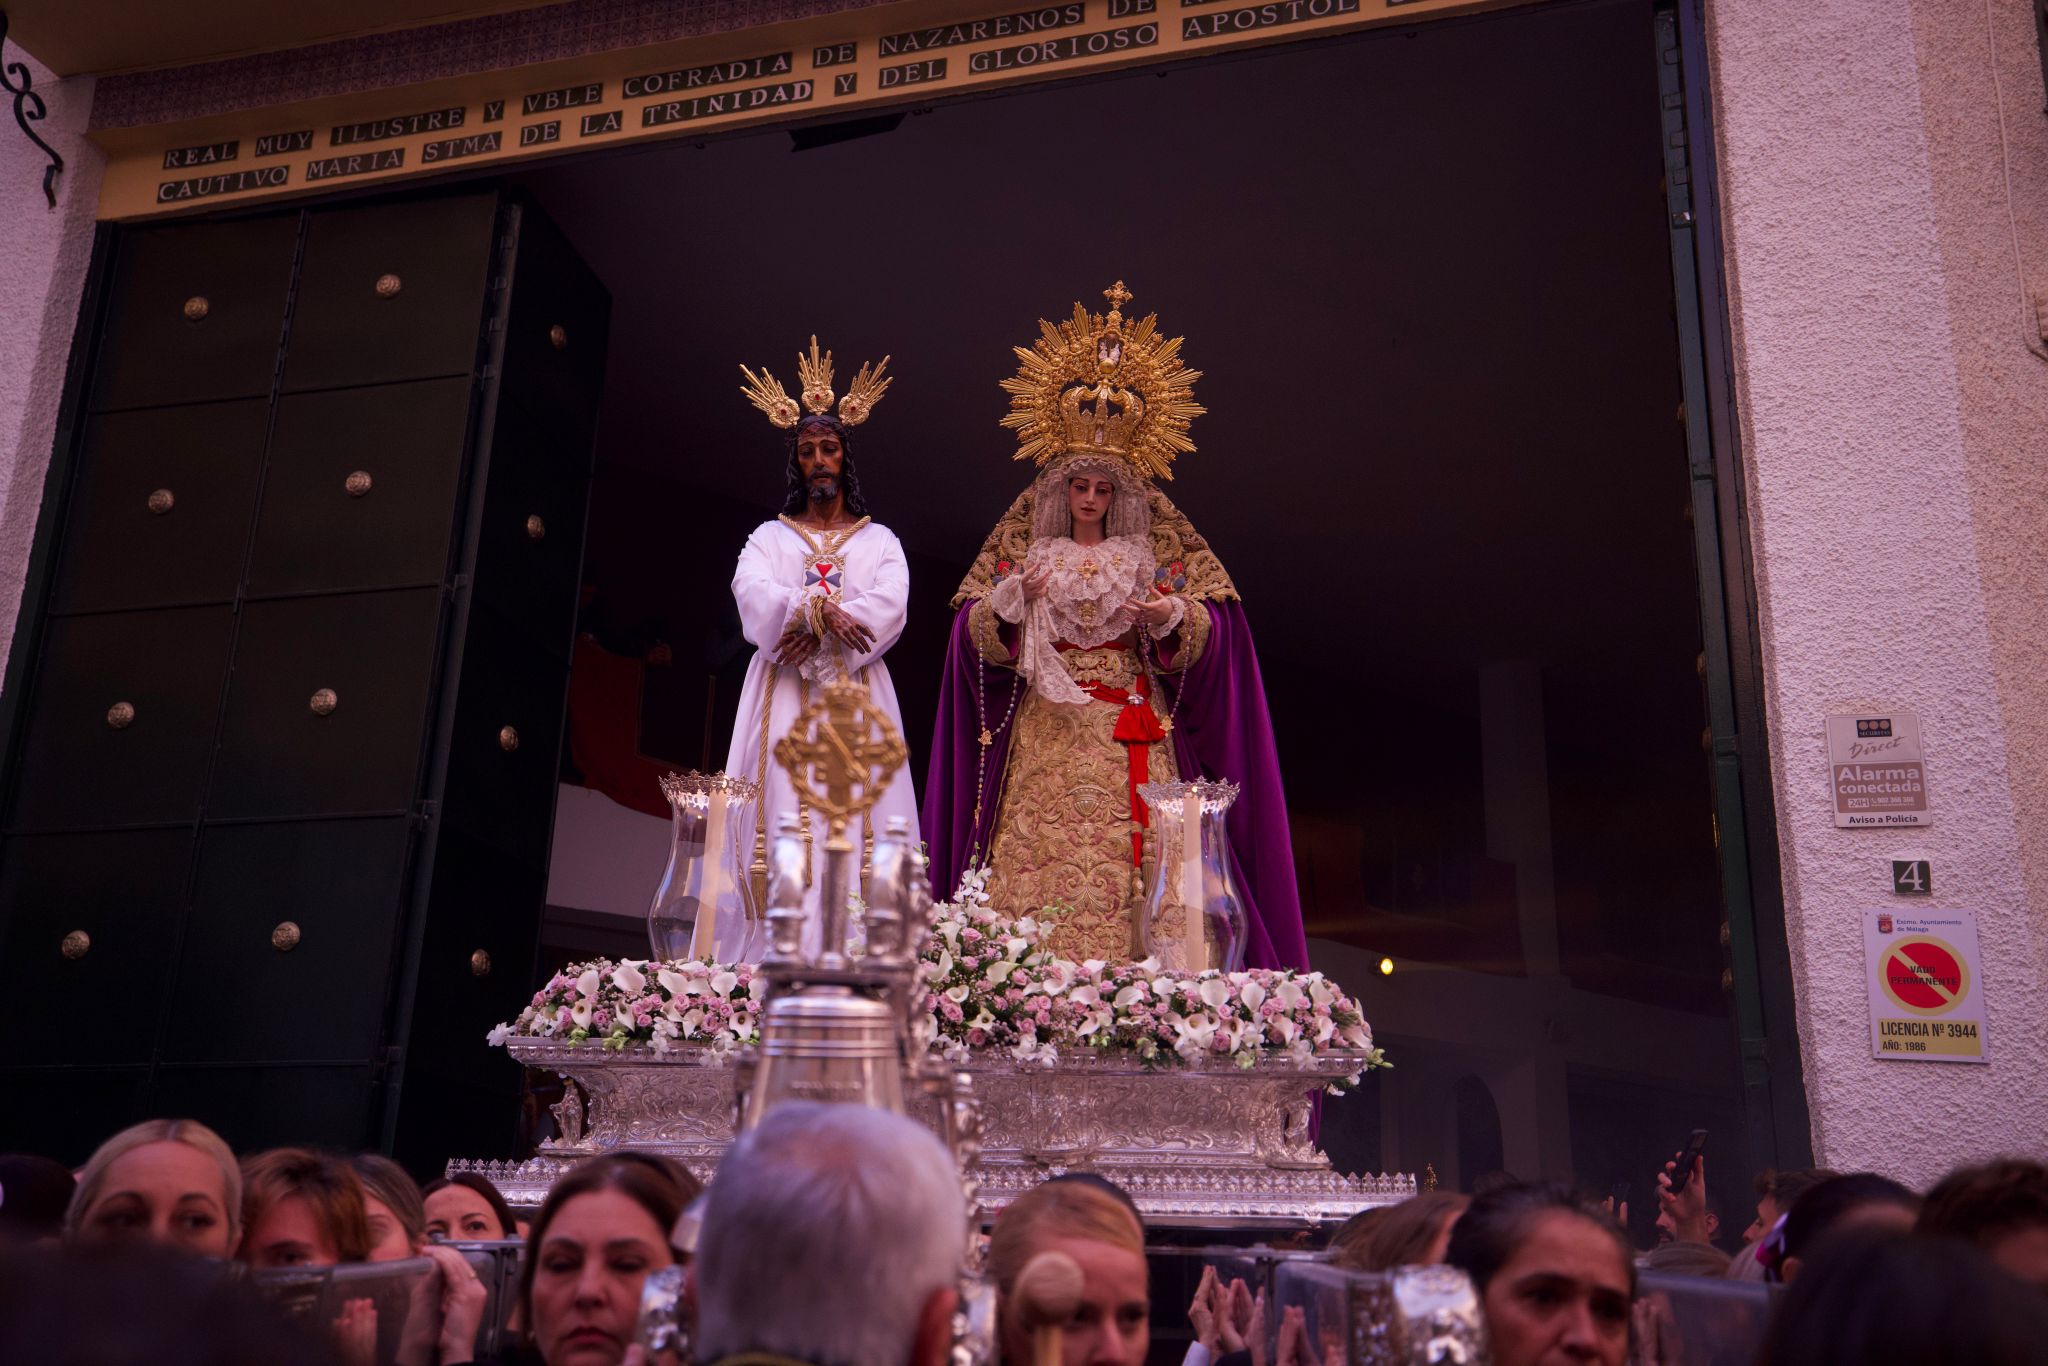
832 1235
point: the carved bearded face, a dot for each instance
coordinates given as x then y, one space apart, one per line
820 456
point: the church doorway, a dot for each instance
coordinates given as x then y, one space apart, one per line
1427 276
1455 459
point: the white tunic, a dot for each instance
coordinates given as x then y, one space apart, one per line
768 586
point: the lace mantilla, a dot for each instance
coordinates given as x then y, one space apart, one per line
1083 605
1085 597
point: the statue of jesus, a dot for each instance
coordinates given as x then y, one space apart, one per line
1099 645
822 591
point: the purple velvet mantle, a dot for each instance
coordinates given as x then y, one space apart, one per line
1222 730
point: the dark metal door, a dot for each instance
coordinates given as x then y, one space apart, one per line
285 707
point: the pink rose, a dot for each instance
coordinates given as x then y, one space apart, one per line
952 1011
977 1037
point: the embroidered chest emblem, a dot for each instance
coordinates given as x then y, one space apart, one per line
823 574
1087 569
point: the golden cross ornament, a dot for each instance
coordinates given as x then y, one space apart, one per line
841 754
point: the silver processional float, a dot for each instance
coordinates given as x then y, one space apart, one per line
844 1029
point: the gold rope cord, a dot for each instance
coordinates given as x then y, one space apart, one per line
803 810
759 872
1174 538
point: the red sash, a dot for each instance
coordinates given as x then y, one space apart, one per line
1137 729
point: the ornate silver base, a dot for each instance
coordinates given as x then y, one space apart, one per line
1205 1143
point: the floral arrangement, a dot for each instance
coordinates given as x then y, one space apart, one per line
635 1001
988 985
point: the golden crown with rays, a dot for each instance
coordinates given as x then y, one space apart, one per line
1097 385
814 378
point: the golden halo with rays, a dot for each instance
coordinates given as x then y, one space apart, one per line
1142 391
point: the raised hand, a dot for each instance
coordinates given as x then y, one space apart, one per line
1202 1315
1293 1348
1685 1210
1238 1312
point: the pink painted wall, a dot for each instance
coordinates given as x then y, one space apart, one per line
1885 393
42 274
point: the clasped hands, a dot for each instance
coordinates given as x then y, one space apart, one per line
1228 1318
1147 612
798 644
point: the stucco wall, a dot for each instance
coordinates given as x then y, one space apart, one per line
1982 100
42 274
1866 376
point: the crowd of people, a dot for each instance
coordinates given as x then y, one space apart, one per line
835 1235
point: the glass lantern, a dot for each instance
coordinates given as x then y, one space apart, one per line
1194 919
704 907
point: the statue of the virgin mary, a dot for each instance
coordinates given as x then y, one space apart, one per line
1099 645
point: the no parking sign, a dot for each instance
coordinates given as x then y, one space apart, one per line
1923 973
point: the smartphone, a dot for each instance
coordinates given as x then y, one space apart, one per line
1688 1161
1618 1194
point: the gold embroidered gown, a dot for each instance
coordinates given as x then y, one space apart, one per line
1065 833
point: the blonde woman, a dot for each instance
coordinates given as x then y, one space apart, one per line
1089 1223
166 1181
